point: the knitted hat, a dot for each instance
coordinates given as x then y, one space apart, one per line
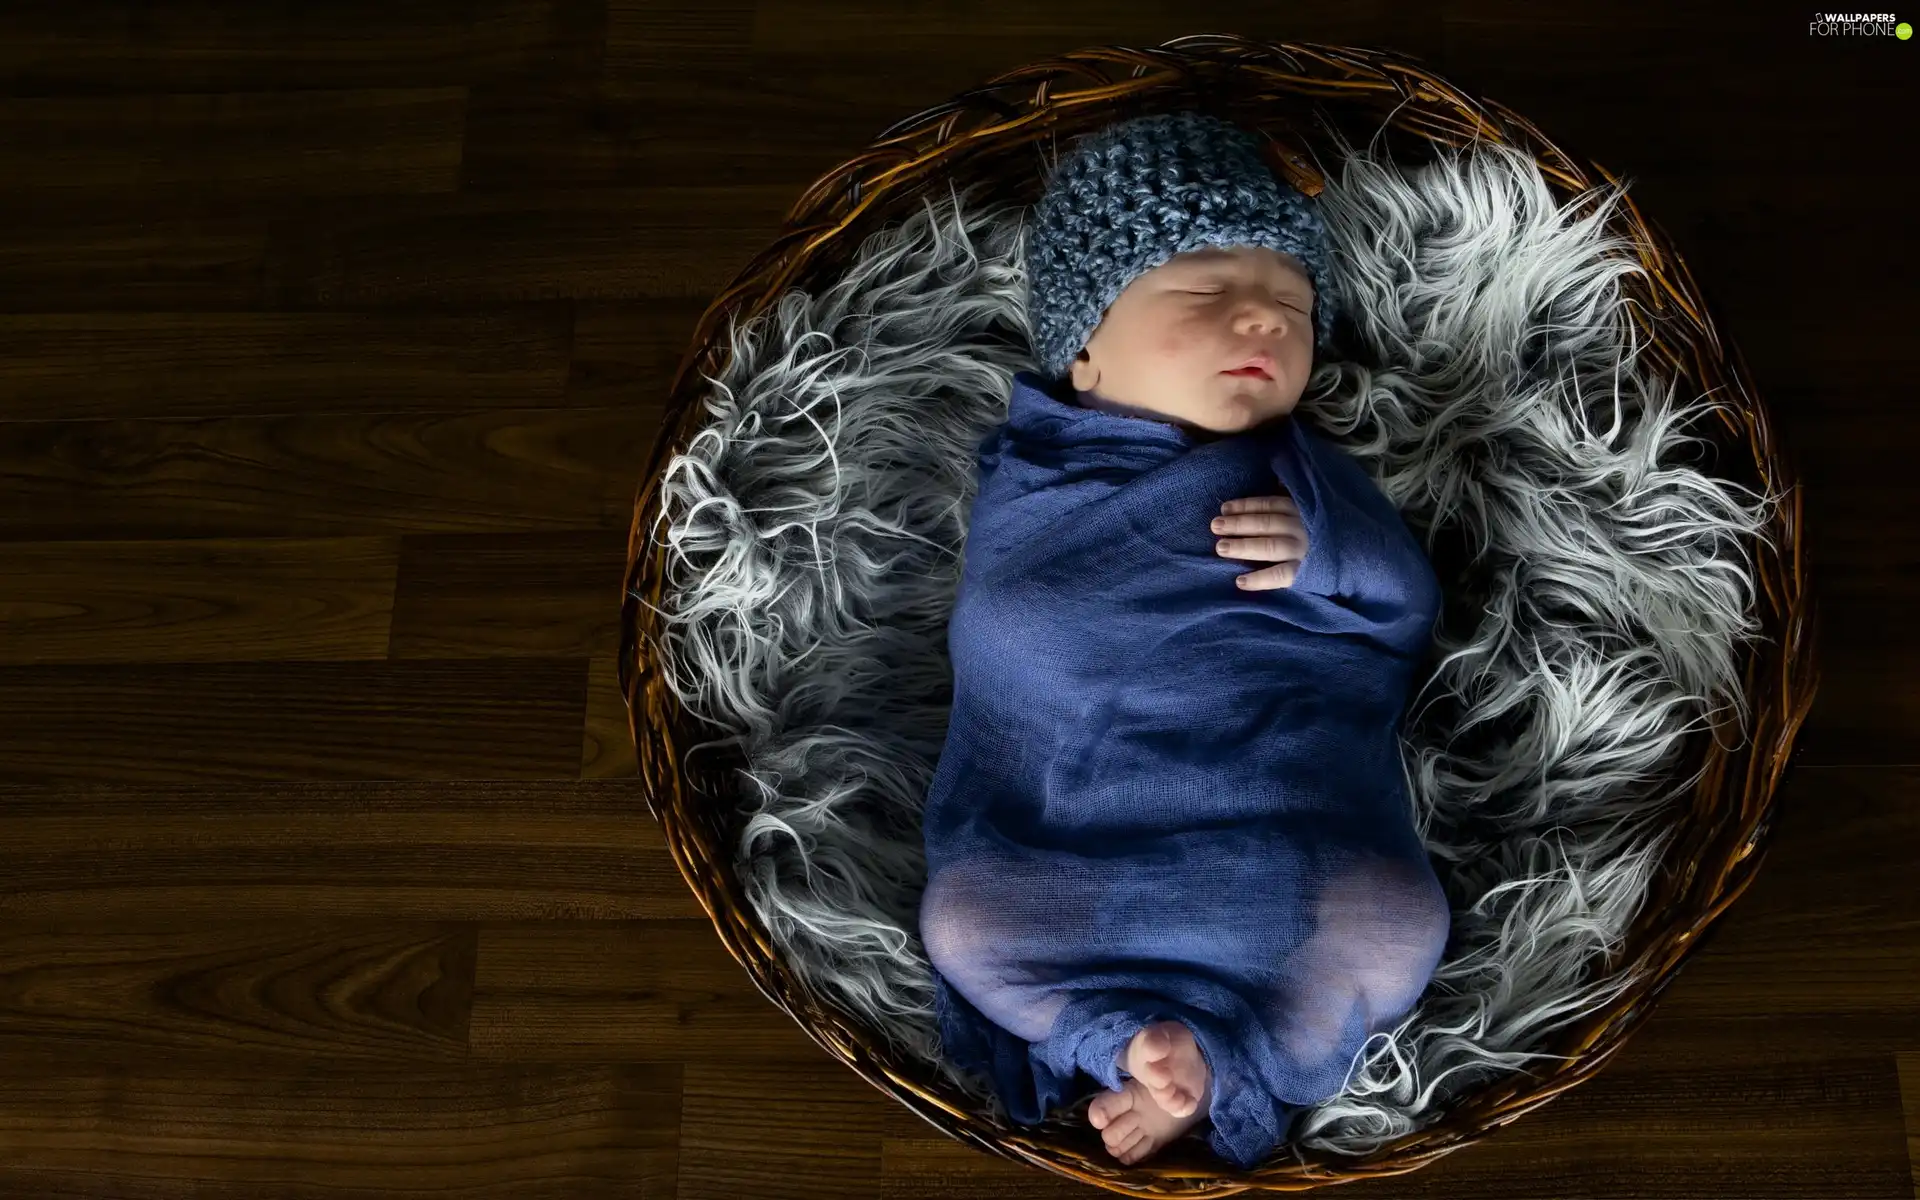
1137 193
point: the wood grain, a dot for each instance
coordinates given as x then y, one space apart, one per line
157 855
76 366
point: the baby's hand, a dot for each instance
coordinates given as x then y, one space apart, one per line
1267 529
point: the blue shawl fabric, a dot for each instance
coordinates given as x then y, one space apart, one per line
1153 780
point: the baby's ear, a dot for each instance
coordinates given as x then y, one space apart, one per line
1079 371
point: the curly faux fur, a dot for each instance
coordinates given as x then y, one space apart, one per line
1598 587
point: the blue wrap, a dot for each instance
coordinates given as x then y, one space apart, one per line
1162 797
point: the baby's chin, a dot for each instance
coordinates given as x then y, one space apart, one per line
1244 408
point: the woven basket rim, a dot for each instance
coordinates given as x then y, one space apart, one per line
1299 93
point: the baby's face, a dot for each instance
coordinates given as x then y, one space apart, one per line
1166 343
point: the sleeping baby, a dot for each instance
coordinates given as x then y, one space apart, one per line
1169 839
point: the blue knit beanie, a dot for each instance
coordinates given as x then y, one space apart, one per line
1137 193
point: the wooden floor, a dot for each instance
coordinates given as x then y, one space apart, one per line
331 339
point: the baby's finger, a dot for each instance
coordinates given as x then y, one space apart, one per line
1268 549
1261 522
1280 575
1251 504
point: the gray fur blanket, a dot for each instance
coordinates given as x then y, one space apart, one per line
1597 586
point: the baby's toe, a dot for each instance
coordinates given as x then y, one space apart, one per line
1125 1131
1151 1058
1157 1039
1175 1100
1137 1147
1108 1105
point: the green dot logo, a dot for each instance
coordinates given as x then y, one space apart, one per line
1903 31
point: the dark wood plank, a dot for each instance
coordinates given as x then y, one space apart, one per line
642 128
160 856
115 602
1652 83
738 1139
343 1130
939 43
653 112
631 991
626 351
681 236
1910 1089
1781 309
296 475
535 39
499 718
87 255
263 992
254 144
606 746
1850 445
501 595
919 1163
74 366
50 47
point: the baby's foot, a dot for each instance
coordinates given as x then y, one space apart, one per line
1165 1057
1132 1125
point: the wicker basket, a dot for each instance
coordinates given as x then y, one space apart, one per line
1295 93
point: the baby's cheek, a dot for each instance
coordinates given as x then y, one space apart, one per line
1183 356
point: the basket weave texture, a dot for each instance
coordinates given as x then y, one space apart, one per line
1300 96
